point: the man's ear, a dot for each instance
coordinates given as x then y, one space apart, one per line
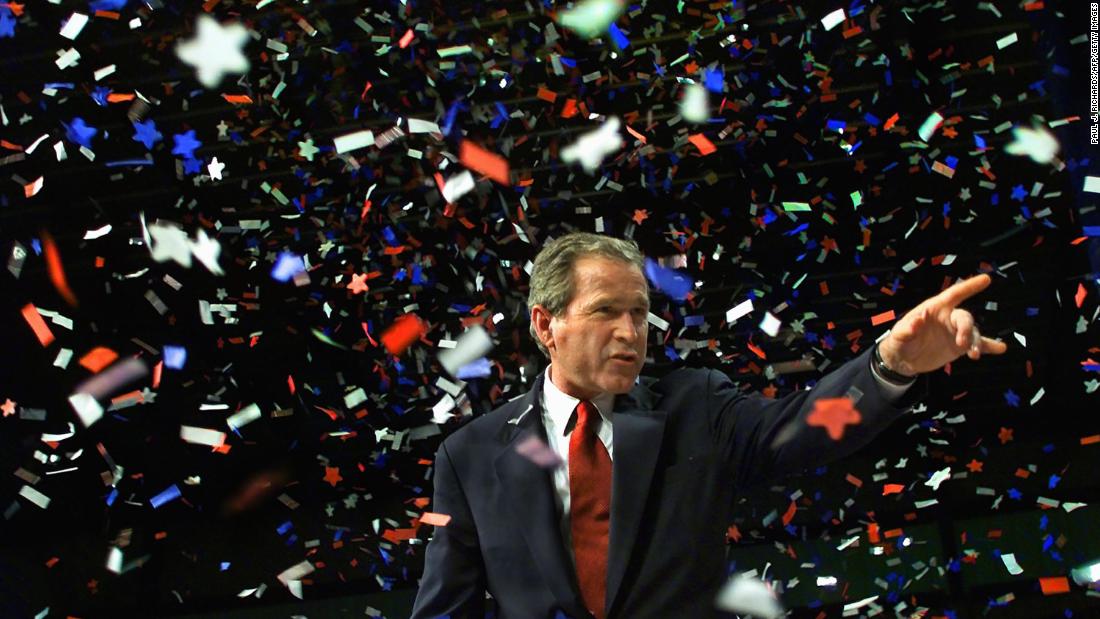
540 317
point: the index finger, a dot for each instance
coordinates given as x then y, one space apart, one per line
965 289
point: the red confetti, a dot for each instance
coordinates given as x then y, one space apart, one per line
1054 584
480 160
701 142
402 333
878 319
438 520
57 272
98 358
833 414
39 326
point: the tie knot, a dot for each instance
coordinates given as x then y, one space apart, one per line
587 416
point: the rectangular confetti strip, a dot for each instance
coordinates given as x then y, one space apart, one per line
354 141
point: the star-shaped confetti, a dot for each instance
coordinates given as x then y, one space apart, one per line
192 165
307 149
358 283
833 414
169 243
975 466
7 25
332 475
8 407
184 144
146 133
80 133
215 169
215 50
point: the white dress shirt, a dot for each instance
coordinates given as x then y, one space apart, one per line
557 408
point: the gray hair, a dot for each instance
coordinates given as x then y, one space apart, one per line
552 283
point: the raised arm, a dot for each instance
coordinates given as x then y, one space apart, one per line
761 439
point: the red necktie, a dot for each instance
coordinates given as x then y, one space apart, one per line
590 506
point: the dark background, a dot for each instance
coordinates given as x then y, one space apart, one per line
265 506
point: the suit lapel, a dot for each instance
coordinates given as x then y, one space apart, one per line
638 431
530 489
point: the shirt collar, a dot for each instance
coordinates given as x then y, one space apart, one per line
560 405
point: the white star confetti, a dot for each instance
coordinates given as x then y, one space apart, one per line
215 50
215 168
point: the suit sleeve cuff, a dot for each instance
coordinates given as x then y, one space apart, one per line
892 391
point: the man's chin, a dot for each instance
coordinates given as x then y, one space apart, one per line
621 385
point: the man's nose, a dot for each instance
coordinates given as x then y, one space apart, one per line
627 328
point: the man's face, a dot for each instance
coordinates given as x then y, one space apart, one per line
599 344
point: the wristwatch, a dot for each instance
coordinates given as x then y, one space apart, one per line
891 376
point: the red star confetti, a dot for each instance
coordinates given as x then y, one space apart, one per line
833 414
332 475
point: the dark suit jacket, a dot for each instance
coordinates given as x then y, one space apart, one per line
683 444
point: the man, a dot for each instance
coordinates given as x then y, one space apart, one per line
632 523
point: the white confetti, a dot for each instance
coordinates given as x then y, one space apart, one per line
833 19
591 18
938 478
215 50
243 417
87 408
749 596
770 324
473 344
458 185
353 141
35 497
74 25
1038 144
202 436
741 309
1013 567
591 148
695 107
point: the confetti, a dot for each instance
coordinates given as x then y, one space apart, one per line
591 148
353 141
483 161
694 106
591 18
750 596
1038 144
834 19
473 344
215 50
833 414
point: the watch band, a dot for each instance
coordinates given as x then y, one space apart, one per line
887 374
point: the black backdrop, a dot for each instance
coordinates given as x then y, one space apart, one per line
802 119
